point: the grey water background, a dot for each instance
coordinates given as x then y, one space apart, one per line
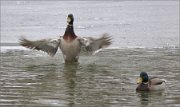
145 38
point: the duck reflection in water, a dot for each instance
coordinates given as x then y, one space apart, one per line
70 81
146 98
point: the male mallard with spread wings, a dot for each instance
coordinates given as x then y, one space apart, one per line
150 84
70 44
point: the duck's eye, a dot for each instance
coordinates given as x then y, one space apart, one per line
68 19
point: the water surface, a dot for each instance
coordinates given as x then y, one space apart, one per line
107 79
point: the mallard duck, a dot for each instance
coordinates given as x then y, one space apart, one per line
70 44
150 84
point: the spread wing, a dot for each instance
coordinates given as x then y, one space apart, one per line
92 45
47 45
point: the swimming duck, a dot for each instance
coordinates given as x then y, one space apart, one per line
150 84
70 44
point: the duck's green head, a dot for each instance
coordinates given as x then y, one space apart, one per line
144 78
70 19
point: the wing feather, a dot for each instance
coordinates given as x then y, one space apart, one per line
47 45
156 81
91 45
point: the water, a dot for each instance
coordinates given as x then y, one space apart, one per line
131 23
108 79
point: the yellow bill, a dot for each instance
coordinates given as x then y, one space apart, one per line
139 80
68 19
